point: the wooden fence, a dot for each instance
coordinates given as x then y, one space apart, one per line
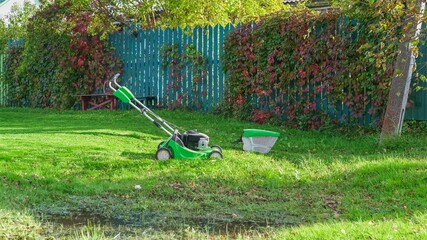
417 100
3 87
145 73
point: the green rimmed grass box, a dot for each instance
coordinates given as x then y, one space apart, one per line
259 140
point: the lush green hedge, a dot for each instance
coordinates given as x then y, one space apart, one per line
58 59
298 66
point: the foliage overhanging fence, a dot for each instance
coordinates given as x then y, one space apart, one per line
146 75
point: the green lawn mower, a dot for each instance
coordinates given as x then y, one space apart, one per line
189 145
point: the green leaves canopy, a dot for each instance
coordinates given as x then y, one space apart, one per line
17 21
182 13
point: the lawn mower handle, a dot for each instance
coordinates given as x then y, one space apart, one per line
162 124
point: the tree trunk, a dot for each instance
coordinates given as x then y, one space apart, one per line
400 85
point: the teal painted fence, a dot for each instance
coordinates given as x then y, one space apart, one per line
3 87
417 100
145 73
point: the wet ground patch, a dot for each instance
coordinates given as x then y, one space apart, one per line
165 222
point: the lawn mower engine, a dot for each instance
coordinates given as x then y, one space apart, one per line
195 140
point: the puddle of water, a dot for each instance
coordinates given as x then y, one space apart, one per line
76 219
218 226
165 223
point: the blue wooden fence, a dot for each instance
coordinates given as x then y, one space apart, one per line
3 87
417 100
145 73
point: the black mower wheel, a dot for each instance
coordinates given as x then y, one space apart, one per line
163 154
215 154
217 148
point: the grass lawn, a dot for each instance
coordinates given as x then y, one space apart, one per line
73 175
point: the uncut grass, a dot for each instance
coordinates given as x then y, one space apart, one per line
61 164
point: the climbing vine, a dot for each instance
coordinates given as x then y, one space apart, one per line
16 89
308 69
58 60
183 62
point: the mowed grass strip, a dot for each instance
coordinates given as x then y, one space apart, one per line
60 165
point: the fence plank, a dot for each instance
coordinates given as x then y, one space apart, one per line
161 73
205 80
185 81
210 69
142 62
191 84
138 57
157 67
178 41
167 79
127 61
200 49
215 62
132 59
223 33
147 53
150 80
2 84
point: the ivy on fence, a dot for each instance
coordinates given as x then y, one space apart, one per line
175 59
309 69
